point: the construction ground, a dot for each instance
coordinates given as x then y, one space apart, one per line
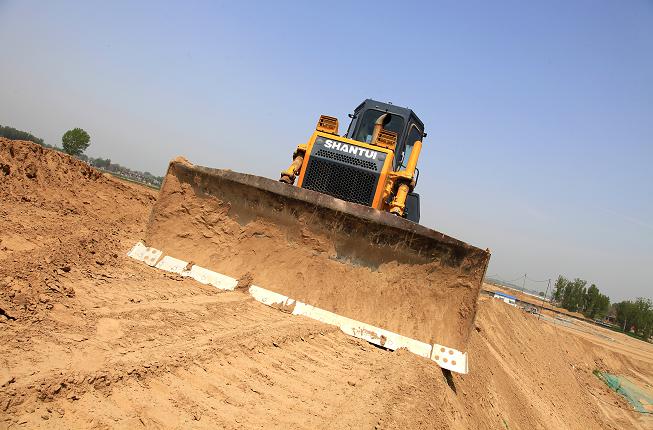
93 339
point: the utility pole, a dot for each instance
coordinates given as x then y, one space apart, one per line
544 298
523 285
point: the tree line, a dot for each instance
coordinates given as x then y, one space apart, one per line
13 134
106 164
575 296
634 316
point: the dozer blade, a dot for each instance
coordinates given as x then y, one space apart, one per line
377 276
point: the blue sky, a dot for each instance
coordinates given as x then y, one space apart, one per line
539 115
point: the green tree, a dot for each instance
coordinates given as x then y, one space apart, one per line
625 314
103 163
591 302
643 317
75 141
636 316
603 306
560 285
596 304
573 296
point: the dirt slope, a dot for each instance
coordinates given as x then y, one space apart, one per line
92 339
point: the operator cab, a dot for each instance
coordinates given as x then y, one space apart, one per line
402 121
405 123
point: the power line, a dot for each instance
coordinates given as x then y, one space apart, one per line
498 278
524 277
535 280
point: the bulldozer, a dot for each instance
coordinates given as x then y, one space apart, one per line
336 238
374 165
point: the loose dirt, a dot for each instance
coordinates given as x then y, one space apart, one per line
419 284
93 339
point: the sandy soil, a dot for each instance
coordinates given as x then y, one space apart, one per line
92 339
415 283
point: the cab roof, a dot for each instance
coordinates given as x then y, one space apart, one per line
392 109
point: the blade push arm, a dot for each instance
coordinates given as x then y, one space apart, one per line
326 124
288 176
404 181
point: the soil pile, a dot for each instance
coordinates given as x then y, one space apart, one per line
60 219
136 347
321 251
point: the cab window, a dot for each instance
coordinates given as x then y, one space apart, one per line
370 116
414 134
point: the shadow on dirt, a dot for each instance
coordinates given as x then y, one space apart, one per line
449 378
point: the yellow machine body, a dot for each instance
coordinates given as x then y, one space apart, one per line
377 169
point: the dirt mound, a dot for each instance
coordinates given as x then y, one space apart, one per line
58 219
528 371
31 173
338 256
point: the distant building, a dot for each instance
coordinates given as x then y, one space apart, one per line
511 300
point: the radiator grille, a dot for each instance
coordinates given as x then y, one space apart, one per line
339 180
347 159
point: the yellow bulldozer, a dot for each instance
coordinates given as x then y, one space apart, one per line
342 246
374 164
